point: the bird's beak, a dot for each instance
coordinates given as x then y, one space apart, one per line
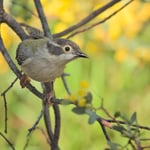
81 54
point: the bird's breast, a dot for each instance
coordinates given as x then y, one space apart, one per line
43 69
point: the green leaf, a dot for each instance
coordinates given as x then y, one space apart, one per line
88 98
128 134
133 118
79 110
124 117
92 116
113 146
117 114
92 119
119 128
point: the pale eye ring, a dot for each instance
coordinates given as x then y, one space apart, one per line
67 48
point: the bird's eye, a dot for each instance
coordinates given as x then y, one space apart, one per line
67 48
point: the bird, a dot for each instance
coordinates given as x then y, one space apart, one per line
44 60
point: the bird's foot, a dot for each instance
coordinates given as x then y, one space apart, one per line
48 98
24 80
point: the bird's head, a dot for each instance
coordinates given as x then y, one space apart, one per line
65 49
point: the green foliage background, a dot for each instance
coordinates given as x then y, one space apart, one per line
118 70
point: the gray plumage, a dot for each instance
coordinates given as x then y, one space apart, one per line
44 60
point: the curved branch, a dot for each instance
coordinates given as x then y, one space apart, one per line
122 122
12 23
10 144
100 121
5 102
87 19
99 22
43 19
65 83
36 122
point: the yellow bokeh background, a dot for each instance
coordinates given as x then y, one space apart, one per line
117 71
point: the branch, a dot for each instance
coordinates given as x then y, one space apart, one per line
48 88
87 19
100 22
47 121
1 5
57 123
6 116
100 121
122 122
12 23
9 87
29 137
36 122
5 102
49 91
14 2
8 59
9 143
43 19
65 83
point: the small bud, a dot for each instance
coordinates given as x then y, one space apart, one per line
82 102
84 84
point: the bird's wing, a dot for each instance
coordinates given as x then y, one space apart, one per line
24 51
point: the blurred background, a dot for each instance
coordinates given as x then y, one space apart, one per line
118 70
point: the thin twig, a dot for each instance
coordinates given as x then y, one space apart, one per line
146 139
36 122
43 19
122 122
5 102
45 135
9 87
9 143
65 83
27 141
100 22
146 147
29 135
99 119
14 2
114 120
132 145
6 115
87 19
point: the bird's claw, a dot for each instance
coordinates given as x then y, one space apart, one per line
24 80
48 98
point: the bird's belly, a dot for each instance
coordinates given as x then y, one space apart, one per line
42 71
